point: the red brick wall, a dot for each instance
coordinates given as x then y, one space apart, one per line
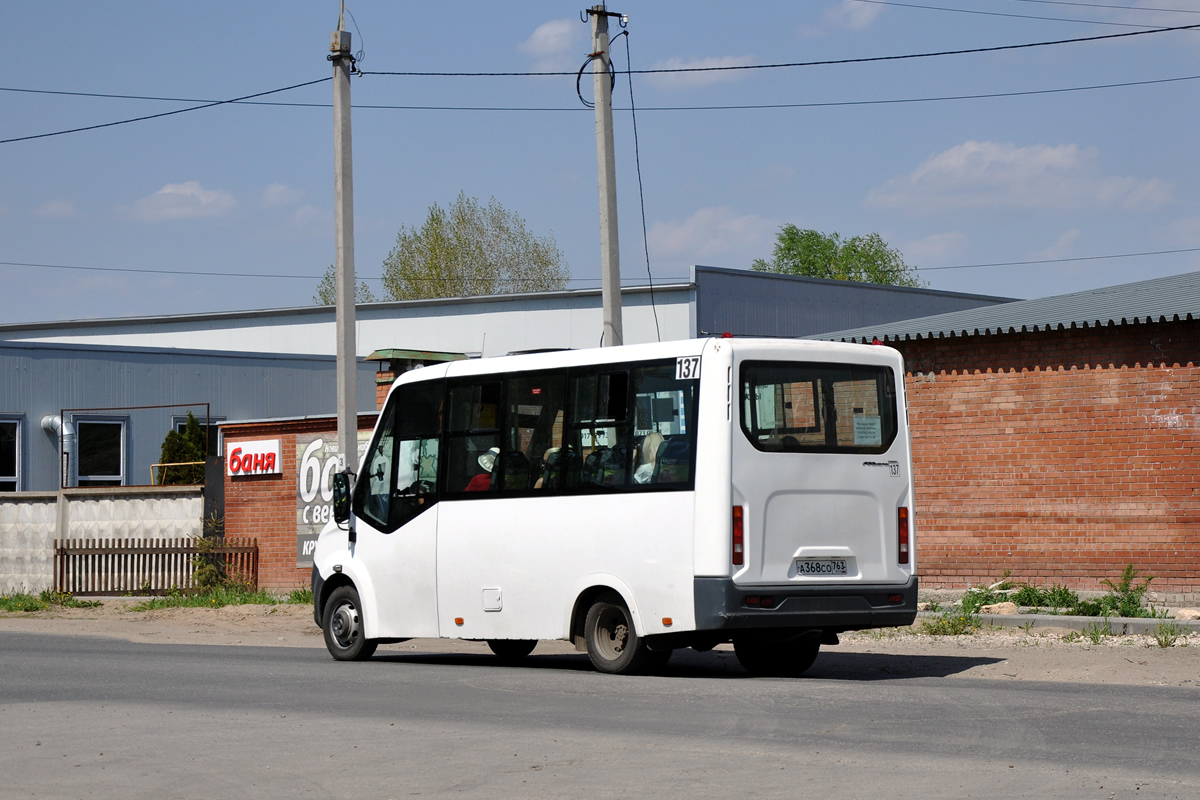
264 506
1061 455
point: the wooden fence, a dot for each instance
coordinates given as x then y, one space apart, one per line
86 567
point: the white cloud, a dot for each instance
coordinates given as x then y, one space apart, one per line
55 208
280 194
936 249
853 14
1185 231
182 201
1063 247
677 80
713 233
307 216
557 44
1000 175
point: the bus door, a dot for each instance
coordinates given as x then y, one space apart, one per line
821 468
396 507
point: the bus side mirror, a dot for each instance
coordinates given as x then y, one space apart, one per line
341 497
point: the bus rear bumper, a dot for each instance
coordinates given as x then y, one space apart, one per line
721 605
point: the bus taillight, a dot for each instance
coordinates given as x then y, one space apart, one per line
902 528
739 542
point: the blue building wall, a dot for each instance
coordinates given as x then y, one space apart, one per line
40 379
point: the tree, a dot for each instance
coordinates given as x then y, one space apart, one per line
180 448
867 259
327 290
469 249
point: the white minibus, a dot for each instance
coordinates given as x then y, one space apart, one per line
631 500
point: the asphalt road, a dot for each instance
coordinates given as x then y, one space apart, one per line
92 717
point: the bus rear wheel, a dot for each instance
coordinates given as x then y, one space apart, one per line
613 645
343 628
512 650
768 659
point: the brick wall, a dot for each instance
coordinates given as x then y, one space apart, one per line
264 506
1060 455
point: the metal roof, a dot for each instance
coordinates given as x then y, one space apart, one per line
1173 298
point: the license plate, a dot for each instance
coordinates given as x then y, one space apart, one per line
821 566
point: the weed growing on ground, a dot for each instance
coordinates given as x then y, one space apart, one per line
49 597
300 597
1167 633
214 598
1096 633
21 602
951 623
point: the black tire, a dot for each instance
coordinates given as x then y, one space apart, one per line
512 651
767 659
342 624
613 645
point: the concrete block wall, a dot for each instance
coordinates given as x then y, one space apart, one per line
31 521
1061 455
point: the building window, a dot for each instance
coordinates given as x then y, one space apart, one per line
10 455
101 452
180 423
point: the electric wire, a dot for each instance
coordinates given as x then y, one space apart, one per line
637 159
1005 14
1062 260
822 63
164 113
1115 7
213 274
743 107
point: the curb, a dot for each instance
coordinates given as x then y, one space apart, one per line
1120 626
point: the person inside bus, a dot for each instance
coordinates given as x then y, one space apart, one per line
646 455
483 481
551 462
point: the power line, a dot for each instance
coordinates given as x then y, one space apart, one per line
752 106
1109 5
1062 260
1003 14
164 113
825 63
213 274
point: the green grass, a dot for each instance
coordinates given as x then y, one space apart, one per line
951 623
214 598
229 596
27 602
300 597
1168 633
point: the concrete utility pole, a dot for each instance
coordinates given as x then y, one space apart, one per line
606 167
343 188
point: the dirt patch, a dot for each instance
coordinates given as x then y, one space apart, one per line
1044 654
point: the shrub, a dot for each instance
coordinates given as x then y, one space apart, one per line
1126 595
300 597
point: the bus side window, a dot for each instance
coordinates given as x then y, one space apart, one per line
472 436
664 425
532 432
597 436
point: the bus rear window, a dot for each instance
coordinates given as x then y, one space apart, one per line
817 407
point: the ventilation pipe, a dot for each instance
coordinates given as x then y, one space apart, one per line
67 448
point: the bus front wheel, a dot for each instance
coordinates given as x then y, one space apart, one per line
343 626
613 645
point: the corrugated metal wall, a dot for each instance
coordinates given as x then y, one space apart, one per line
40 379
767 304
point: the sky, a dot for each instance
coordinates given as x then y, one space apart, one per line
1029 173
